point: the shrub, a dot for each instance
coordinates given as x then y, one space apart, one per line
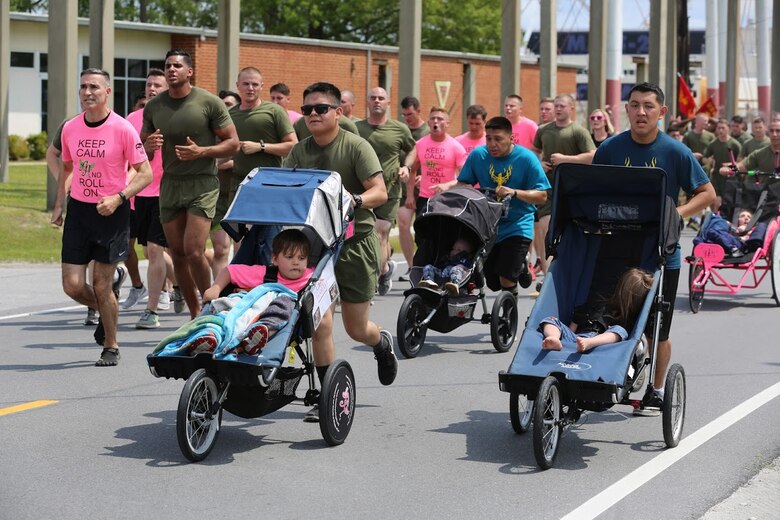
38 144
18 149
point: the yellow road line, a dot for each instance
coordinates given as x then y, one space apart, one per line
25 406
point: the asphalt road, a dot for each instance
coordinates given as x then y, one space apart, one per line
436 444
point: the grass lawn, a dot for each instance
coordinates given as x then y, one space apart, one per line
26 235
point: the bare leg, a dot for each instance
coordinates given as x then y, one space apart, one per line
186 235
107 304
552 337
405 233
540 231
585 344
132 265
662 363
322 341
382 228
155 275
221 242
357 324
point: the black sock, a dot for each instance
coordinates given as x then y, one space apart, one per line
321 372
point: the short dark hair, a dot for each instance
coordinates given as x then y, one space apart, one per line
154 71
648 87
97 72
410 101
737 119
290 240
516 96
180 52
229 93
282 88
476 110
499 123
329 89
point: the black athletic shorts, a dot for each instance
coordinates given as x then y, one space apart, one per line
147 220
89 236
669 293
506 259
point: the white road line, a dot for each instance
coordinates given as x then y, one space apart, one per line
38 313
628 484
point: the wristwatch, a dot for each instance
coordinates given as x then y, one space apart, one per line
358 200
262 145
122 196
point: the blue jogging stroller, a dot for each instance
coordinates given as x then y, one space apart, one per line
249 386
605 219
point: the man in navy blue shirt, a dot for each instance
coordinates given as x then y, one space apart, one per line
645 145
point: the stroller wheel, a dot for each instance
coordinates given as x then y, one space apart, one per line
696 284
199 416
520 412
673 407
337 402
547 421
411 332
503 321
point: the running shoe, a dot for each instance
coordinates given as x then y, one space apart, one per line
178 301
452 288
148 320
312 415
119 279
256 338
386 279
165 301
651 403
387 364
92 317
134 297
206 343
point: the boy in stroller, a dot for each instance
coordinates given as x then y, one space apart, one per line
735 241
454 268
598 322
290 255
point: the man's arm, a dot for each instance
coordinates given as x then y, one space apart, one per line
54 161
227 146
56 214
537 197
580 158
702 198
141 179
375 193
279 149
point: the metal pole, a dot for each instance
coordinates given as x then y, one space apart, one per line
597 45
548 50
409 44
228 43
510 50
711 53
614 58
732 54
763 58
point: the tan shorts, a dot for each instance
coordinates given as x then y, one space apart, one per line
196 194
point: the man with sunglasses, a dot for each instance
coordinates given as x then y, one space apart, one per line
561 141
391 140
332 148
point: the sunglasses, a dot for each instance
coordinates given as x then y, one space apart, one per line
320 108
596 118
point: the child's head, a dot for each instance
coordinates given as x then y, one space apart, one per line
461 245
290 253
629 295
744 218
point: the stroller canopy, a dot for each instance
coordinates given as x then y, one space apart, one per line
614 199
465 204
291 197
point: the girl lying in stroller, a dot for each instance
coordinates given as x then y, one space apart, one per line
453 269
290 256
734 241
599 322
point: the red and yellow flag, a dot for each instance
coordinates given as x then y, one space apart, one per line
685 102
708 107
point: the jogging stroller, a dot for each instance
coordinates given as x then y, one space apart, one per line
709 262
605 219
462 212
253 386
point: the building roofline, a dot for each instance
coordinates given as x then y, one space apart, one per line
212 33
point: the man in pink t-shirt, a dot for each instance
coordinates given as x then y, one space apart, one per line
476 115
439 157
523 129
145 224
280 94
97 223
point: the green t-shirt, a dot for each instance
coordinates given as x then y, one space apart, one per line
389 141
302 131
420 132
197 115
722 153
742 138
764 159
752 145
348 154
269 123
571 139
698 142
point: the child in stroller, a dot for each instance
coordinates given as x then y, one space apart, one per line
454 268
599 322
289 257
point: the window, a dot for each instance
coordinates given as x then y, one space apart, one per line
23 59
